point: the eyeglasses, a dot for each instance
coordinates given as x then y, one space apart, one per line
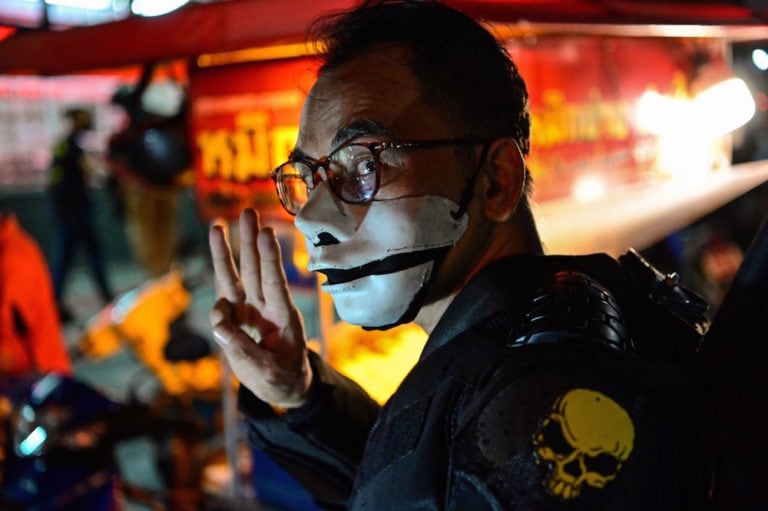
353 171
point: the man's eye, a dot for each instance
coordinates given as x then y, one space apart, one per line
364 167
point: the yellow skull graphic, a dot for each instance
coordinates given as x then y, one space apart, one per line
585 439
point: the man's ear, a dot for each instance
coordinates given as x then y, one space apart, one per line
504 179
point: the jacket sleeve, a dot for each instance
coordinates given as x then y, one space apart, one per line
321 443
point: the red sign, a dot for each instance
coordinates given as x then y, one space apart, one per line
244 122
583 93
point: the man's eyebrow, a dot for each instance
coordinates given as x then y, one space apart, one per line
365 127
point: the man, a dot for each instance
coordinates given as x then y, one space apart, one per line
73 210
409 183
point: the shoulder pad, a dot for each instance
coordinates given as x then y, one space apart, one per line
573 308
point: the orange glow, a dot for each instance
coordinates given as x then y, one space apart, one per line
139 320
282 51
377 361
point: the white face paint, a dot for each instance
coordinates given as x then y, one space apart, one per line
377 268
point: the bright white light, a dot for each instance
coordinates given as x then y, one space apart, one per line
760 59
725 106
155 7
589 188
688 130
717 110
657 114
163 98
91 5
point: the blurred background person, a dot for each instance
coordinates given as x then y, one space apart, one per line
150 162
73 210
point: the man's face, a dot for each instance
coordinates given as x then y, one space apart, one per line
379 256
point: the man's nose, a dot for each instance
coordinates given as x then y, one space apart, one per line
323 219
326 238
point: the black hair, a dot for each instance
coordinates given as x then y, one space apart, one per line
466 74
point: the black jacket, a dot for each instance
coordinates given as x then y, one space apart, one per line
541 388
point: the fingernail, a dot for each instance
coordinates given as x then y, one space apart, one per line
221 339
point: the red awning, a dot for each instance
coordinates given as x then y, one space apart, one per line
238 24
193 30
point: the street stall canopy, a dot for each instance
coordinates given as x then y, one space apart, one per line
224 26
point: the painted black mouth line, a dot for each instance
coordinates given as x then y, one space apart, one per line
391 264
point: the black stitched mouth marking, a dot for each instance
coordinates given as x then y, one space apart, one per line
391 264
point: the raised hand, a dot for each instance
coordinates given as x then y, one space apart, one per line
255 321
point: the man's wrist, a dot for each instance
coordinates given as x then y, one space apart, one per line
303 397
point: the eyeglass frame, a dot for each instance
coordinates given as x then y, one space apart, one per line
375 148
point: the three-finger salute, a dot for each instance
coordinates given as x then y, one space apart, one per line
255 321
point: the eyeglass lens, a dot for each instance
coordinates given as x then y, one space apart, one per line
351 171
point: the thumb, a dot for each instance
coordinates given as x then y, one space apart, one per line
223 332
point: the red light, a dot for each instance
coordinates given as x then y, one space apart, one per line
6 32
